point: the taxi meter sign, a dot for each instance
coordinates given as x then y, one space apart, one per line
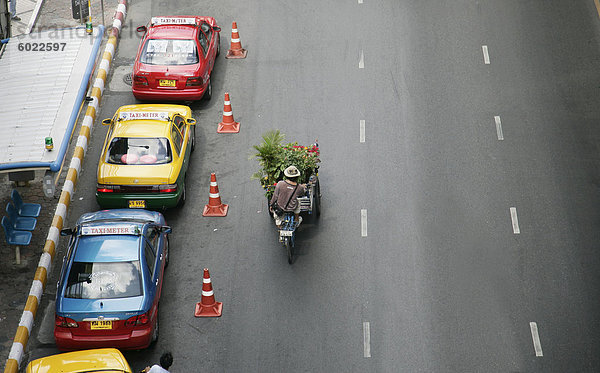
173 21
154 115
113 229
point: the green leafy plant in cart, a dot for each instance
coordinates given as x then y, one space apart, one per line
274 157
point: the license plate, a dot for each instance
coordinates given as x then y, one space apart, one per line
137 204
101 324
286 233
166 83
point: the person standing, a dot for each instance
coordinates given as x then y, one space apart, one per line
13 11
166 360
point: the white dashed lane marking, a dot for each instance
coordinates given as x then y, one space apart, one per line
366 339
499 127
486 56
537 345
515 220
363 222
362 130
361 61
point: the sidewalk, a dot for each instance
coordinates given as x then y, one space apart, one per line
56 14
16 280
25 10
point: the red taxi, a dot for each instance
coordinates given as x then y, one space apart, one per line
175 58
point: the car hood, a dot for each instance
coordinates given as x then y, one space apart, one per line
105 359
136 174
123 308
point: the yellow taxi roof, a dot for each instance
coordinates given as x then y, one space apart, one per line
144 125
103 359
173 109
141 128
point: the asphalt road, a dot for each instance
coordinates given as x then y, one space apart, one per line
436 274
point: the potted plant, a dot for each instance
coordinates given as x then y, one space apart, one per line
274 157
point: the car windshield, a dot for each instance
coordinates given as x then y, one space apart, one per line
104 280
137 150
169 52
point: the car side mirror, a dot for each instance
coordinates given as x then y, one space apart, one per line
67 232
166 229
191 121
141 29
107 121
216 28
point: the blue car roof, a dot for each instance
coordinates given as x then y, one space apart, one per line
120 214
111 248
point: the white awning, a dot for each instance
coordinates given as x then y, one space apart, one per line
43 78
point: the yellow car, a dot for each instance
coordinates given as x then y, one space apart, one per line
105 360
146 156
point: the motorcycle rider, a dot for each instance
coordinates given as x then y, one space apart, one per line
286 194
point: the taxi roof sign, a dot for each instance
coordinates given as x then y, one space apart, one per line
172 21
154 115
110 229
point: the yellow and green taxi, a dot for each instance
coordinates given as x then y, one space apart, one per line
105 360
146 156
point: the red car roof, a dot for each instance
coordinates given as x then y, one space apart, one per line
170 31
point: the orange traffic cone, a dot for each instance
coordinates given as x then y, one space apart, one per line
208 307
214 207
228 125
236 50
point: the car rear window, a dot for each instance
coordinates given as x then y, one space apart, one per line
135 150
169 52
104 280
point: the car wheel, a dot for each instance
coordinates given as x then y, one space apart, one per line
167 252
208 93
218 45
183 194
193 139
155 332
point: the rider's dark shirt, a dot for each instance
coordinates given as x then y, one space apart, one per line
283 191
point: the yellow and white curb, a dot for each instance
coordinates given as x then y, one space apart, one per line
41 274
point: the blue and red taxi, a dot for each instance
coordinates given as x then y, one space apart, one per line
175 58
111 278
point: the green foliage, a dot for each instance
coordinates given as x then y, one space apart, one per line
274 157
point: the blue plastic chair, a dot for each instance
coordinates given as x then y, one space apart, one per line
13 236
22 223
25 209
